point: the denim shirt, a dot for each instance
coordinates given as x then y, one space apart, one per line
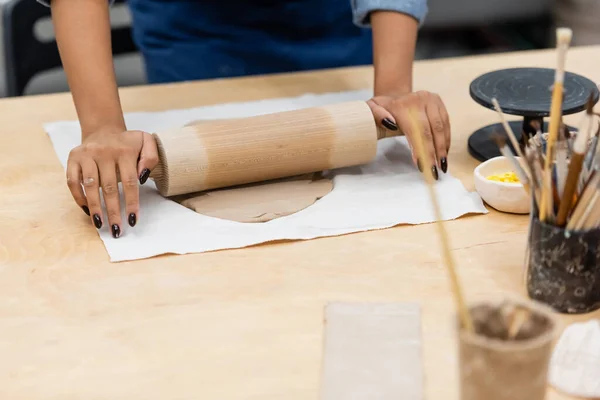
184 40
362 8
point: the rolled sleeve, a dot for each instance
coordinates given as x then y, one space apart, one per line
361 9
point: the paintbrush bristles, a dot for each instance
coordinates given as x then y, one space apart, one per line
564 36
563 41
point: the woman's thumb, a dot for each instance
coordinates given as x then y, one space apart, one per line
148 157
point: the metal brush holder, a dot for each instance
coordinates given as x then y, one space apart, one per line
526 92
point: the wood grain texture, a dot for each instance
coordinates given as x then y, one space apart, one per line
224 153
233 325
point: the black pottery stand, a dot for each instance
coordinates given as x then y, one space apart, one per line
526 92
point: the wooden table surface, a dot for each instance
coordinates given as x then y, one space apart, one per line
237 324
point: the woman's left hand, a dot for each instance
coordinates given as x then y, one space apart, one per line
391 113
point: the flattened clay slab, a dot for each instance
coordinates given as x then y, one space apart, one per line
260 202
372 351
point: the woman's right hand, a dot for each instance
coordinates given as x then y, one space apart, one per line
102 160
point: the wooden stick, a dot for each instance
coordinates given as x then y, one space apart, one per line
573 177
577 197
596 150
535 173
593 220
548 187
587 125
519 317
582 218
583 202
505 150
417 138
563 39
507 128
591 163
561 164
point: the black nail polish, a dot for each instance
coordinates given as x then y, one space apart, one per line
116 231
132 219
435 173
389 124
419 165
85 209
444 163
144 175
97 221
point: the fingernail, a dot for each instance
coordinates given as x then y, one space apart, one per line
419 165
435 173
132 219
144 175
116 231
389 124
97 221
444 163
85 209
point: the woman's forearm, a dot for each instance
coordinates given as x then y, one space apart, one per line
83 35
394 41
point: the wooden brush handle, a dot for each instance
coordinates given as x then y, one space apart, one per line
221 153
569 190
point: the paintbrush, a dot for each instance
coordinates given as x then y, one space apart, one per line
572 177
538 138
568 139
561 163
506 152
563 40
594 150
548 188
545 179
508 129
591 153
513 140
536 179
519 317
419 146
583 201
578 221
592 221
579 194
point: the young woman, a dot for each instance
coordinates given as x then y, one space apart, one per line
184 40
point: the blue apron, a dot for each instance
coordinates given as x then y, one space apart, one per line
184 40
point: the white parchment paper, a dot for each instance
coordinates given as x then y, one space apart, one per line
385 193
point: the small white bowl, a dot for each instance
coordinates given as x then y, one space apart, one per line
503 196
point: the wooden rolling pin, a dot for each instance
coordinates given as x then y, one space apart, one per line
221 153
